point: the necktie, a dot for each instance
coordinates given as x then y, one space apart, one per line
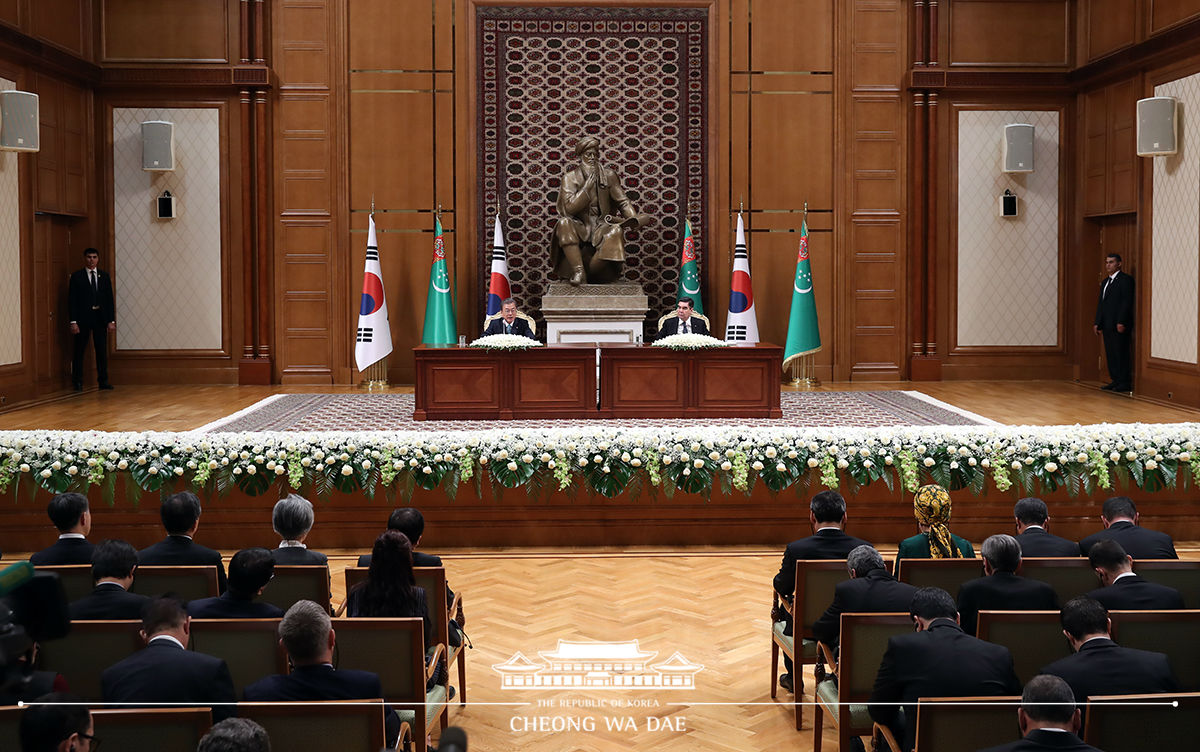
95 287
507 328
1107 282
684 330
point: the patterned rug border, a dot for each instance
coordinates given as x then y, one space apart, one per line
282 413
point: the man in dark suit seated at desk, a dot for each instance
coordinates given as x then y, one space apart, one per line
870 589
1048 719
1001 588
307 635
1032 516
509 322
249 572
181 517
1123 590
113 566
1120 518
683 321
71 516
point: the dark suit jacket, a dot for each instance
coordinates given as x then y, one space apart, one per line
875 592
226 606
942 661
1137 541
520 328
108 601
1042 741
299 556
64 551
322 682
827 543
181 551
81 298
1132 593
165 672
1102 667
1002 591
1036 541
671 326
420 559
1115 307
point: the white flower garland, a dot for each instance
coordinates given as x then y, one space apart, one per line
505 342
690 342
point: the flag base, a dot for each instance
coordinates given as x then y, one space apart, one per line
375 377
804 372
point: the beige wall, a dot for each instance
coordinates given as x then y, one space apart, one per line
1175 258
1007 267
10 253
168 272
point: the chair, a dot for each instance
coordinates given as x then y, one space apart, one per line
1136 723
160 729
863 641
1184 576
1034 638
528 320
1170 632
433 580
10 724
297 583
1069 576
356 576
663 319
947 574
76 579
250 647
188 583
952 724
395 649
87 650
322 726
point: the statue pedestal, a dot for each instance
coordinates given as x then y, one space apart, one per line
594 313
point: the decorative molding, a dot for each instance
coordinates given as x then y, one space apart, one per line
942 79
234 75
1170 46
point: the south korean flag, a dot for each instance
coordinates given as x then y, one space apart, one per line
742 323
374 338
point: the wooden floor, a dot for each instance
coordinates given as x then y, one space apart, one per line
181 408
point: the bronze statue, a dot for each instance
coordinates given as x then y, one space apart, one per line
589 240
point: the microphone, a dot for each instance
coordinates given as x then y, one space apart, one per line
453 739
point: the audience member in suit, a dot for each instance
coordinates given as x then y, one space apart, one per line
165 670
113 567
181 517
827 516
1032 519
1114 323
1120 518
682 322
1048 719
938 660
411 522
235 735
870 589
931 507
307 635
509 322
1123 590
292 519
1001 589
93 316
59 722
70 514
249 572
1101 666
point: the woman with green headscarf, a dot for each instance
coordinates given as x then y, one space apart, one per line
931 506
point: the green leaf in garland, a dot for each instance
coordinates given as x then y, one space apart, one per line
450 484
407 485
108 490
253 485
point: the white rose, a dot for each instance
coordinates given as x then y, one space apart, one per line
72 470
953 464
306 461
726 466
512 466
635 462
583 461
24 468
698 464
687 471
1016 465
812 462
1115 457
414 463
427 470
122 465
972 462
1151 464
928 462
212 464
985 462
757 465
1131 456
46 473
791 454
666 459
551 464
888 460
237 471
251 470
770 452
279 470
842 464
1185 457
546 457
781 468
179 471
685 457
1051 467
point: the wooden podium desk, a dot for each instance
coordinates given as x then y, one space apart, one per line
738 381
466 383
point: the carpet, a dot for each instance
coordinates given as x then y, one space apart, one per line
393 412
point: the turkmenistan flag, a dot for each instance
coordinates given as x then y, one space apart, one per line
803 335
439 306
689 270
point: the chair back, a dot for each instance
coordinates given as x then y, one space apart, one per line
89 648
76 580
10 726
249 646
433 580
1034 638
355 576
947 574
160 729
815 582
1069 576
294 582
952 724
521 315
1170 632
319 726
1184 576
663 319
392 648
188 582
864 639
1135 723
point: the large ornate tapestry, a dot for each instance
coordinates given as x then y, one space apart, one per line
634 77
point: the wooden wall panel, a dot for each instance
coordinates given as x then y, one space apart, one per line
1107 26
10 13
63 23
789 35
1010 32
398 179
1122 145
179 30
49 158
806 139
1094 158
391 34
1167 13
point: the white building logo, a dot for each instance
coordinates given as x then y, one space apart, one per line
597 665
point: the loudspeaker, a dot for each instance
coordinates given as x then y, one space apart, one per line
1018 147
158 146
19 127
1157 127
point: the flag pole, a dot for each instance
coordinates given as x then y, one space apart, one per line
375 377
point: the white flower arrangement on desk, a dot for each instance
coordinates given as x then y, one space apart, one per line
505 342
607 460
689 342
